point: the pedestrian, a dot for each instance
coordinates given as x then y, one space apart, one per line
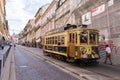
108 54
14 46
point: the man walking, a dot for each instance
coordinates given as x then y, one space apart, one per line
108 54
14 46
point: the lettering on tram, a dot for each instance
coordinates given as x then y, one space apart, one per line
73 44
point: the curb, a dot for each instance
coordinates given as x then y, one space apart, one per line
9 68
12 73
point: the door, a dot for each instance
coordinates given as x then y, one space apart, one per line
72 42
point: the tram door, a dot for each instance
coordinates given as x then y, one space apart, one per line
72 40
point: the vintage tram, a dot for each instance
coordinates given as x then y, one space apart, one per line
73 44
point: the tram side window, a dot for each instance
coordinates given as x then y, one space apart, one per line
59 40
62 40
72 38
50 40
55 39
76 38
46 41
83 37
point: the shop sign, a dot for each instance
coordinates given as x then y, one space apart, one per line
98 10
86 18
110 3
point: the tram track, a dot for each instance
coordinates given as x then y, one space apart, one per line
69 70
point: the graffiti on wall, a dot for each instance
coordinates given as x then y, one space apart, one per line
115 49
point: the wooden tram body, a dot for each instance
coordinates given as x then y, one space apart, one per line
75 44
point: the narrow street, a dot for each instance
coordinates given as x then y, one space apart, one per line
28 67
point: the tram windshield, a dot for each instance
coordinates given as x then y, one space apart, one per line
84 36
88 37
93 37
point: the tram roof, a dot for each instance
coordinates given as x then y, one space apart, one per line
59 31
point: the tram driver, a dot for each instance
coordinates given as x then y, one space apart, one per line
83 37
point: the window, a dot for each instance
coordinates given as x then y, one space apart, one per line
59 40
55 39
62 40
76 38
72 38
46 40
50 40
84 37
93 37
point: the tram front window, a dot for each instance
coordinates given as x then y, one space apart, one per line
93 37
83 37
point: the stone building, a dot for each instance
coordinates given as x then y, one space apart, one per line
62 13
30 37
44 21
4 33
38 21
47 23
27 36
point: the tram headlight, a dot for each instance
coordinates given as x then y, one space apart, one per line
76 53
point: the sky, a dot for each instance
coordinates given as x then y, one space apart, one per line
18 12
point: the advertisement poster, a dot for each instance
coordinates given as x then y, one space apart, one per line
86 18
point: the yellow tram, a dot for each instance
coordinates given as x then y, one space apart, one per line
74 44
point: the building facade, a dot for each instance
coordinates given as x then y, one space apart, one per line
38 21
4 33
44 21
62 13
47 19
103 15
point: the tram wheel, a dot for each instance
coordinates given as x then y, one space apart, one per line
71 60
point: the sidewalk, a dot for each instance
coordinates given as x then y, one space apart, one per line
3 57
115 58
8 71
